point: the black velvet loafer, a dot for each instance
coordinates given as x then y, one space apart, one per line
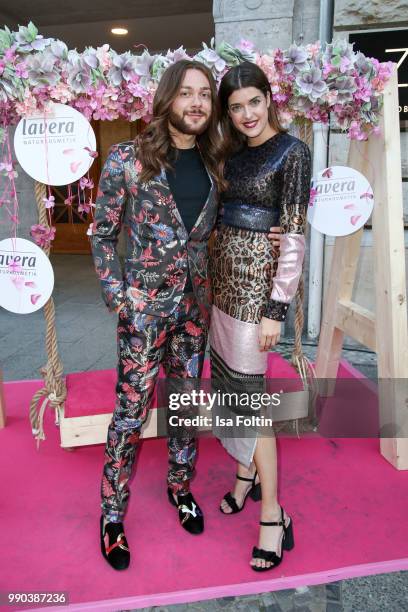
190 514
114 546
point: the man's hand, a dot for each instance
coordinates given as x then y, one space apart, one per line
119 308
274 236
269 333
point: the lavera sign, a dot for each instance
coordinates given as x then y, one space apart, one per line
26 276
341 201
55 147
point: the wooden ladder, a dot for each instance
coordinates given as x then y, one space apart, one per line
384 331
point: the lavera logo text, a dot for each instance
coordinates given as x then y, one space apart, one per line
16 261
40 127
335 186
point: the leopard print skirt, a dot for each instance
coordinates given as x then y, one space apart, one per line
242 269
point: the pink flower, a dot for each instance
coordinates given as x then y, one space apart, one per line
313 49
105 61
86 206
377 84
344 64
42 235
29 105
89 231
61 92
136 90
86 183
21 71
280 97
246 45
327 69
93 154
285 117
356 132
49 202
8 170
331 96
9 54
268 66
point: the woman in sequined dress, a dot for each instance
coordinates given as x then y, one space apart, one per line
268 175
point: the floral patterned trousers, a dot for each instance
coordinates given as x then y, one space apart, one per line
144 343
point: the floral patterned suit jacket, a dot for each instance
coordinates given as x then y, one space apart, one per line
158 247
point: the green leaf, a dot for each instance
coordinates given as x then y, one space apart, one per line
5 39
32 31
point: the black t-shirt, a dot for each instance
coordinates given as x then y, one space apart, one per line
190 185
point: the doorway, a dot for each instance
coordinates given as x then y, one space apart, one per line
72 222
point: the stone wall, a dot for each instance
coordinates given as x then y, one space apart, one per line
351 16
267 23
364 14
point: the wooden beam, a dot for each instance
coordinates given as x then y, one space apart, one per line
340 287
390 284
2 404
93 429
357 322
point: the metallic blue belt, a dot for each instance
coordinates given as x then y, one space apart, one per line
246 216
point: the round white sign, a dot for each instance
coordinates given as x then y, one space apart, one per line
55 147
26 276
341 201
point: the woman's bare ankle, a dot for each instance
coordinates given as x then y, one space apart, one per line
270 512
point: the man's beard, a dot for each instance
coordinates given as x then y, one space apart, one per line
180 124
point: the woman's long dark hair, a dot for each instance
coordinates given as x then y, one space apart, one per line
154 143
246 74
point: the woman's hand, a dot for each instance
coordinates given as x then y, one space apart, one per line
275 237
269 333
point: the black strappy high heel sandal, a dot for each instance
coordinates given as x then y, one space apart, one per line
254 492
270 556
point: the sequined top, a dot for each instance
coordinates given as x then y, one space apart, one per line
276 175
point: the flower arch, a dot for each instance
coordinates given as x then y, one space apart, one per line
309 83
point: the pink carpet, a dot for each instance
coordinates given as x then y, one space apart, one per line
343 497
100 386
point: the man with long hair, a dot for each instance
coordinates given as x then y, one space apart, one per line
163 190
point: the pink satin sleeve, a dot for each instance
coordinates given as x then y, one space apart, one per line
285 282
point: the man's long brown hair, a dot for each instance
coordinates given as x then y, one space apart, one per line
154 143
